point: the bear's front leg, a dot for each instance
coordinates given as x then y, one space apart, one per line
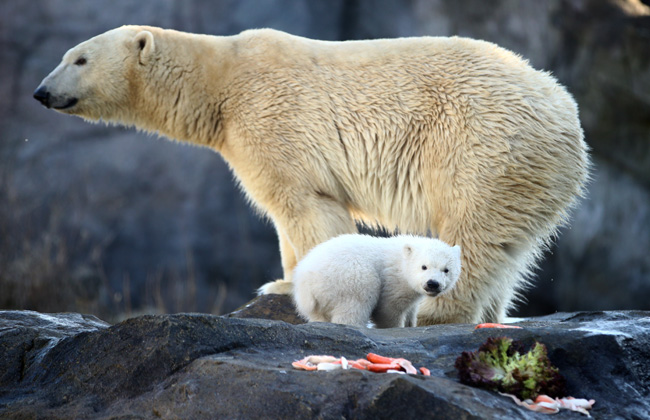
411 315
309 223
289 261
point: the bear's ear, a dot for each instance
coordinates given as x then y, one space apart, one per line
456 250
408 250
145 45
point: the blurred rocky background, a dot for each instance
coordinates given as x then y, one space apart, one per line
113 222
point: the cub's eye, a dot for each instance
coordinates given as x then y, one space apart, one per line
446 270
424 267
80 61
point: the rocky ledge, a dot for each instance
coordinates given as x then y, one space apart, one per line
63 366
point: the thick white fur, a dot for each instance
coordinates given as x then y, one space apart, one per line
353 278
454 137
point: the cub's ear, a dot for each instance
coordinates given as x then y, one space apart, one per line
456 250
408 250
456 253
145 45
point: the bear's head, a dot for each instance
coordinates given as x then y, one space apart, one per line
97 78
431 266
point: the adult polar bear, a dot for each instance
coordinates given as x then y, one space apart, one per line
451 136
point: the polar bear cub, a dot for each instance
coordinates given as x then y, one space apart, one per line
352 279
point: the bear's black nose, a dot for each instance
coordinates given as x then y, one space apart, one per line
433 286
42 95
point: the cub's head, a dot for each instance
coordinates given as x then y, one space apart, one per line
97 78
431 266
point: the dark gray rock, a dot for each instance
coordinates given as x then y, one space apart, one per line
27 337
110 221
204 366
277 307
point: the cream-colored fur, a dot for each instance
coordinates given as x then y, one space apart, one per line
353 278
449 136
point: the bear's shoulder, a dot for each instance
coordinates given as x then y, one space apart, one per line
269 46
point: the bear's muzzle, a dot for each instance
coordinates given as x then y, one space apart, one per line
42 94
432 287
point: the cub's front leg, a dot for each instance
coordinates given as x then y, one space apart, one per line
411 315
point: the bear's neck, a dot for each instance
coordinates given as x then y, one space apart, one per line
183 96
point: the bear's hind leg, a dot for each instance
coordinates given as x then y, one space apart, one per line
354 303
351 312
319 318
384 318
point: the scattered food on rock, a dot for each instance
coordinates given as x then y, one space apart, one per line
493 325
548 405
373 363
500 365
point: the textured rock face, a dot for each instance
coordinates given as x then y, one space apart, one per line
104 219
202 366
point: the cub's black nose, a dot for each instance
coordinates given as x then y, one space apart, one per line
42 95
433 286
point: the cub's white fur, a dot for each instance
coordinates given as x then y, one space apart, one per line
353 278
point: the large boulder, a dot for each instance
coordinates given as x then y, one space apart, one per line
111 221
62 366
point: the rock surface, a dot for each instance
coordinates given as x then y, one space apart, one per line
277 307
63 366
134 223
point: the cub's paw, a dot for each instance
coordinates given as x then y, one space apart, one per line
278 287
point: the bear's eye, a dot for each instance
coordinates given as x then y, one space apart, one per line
80 61
424 267
446 270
